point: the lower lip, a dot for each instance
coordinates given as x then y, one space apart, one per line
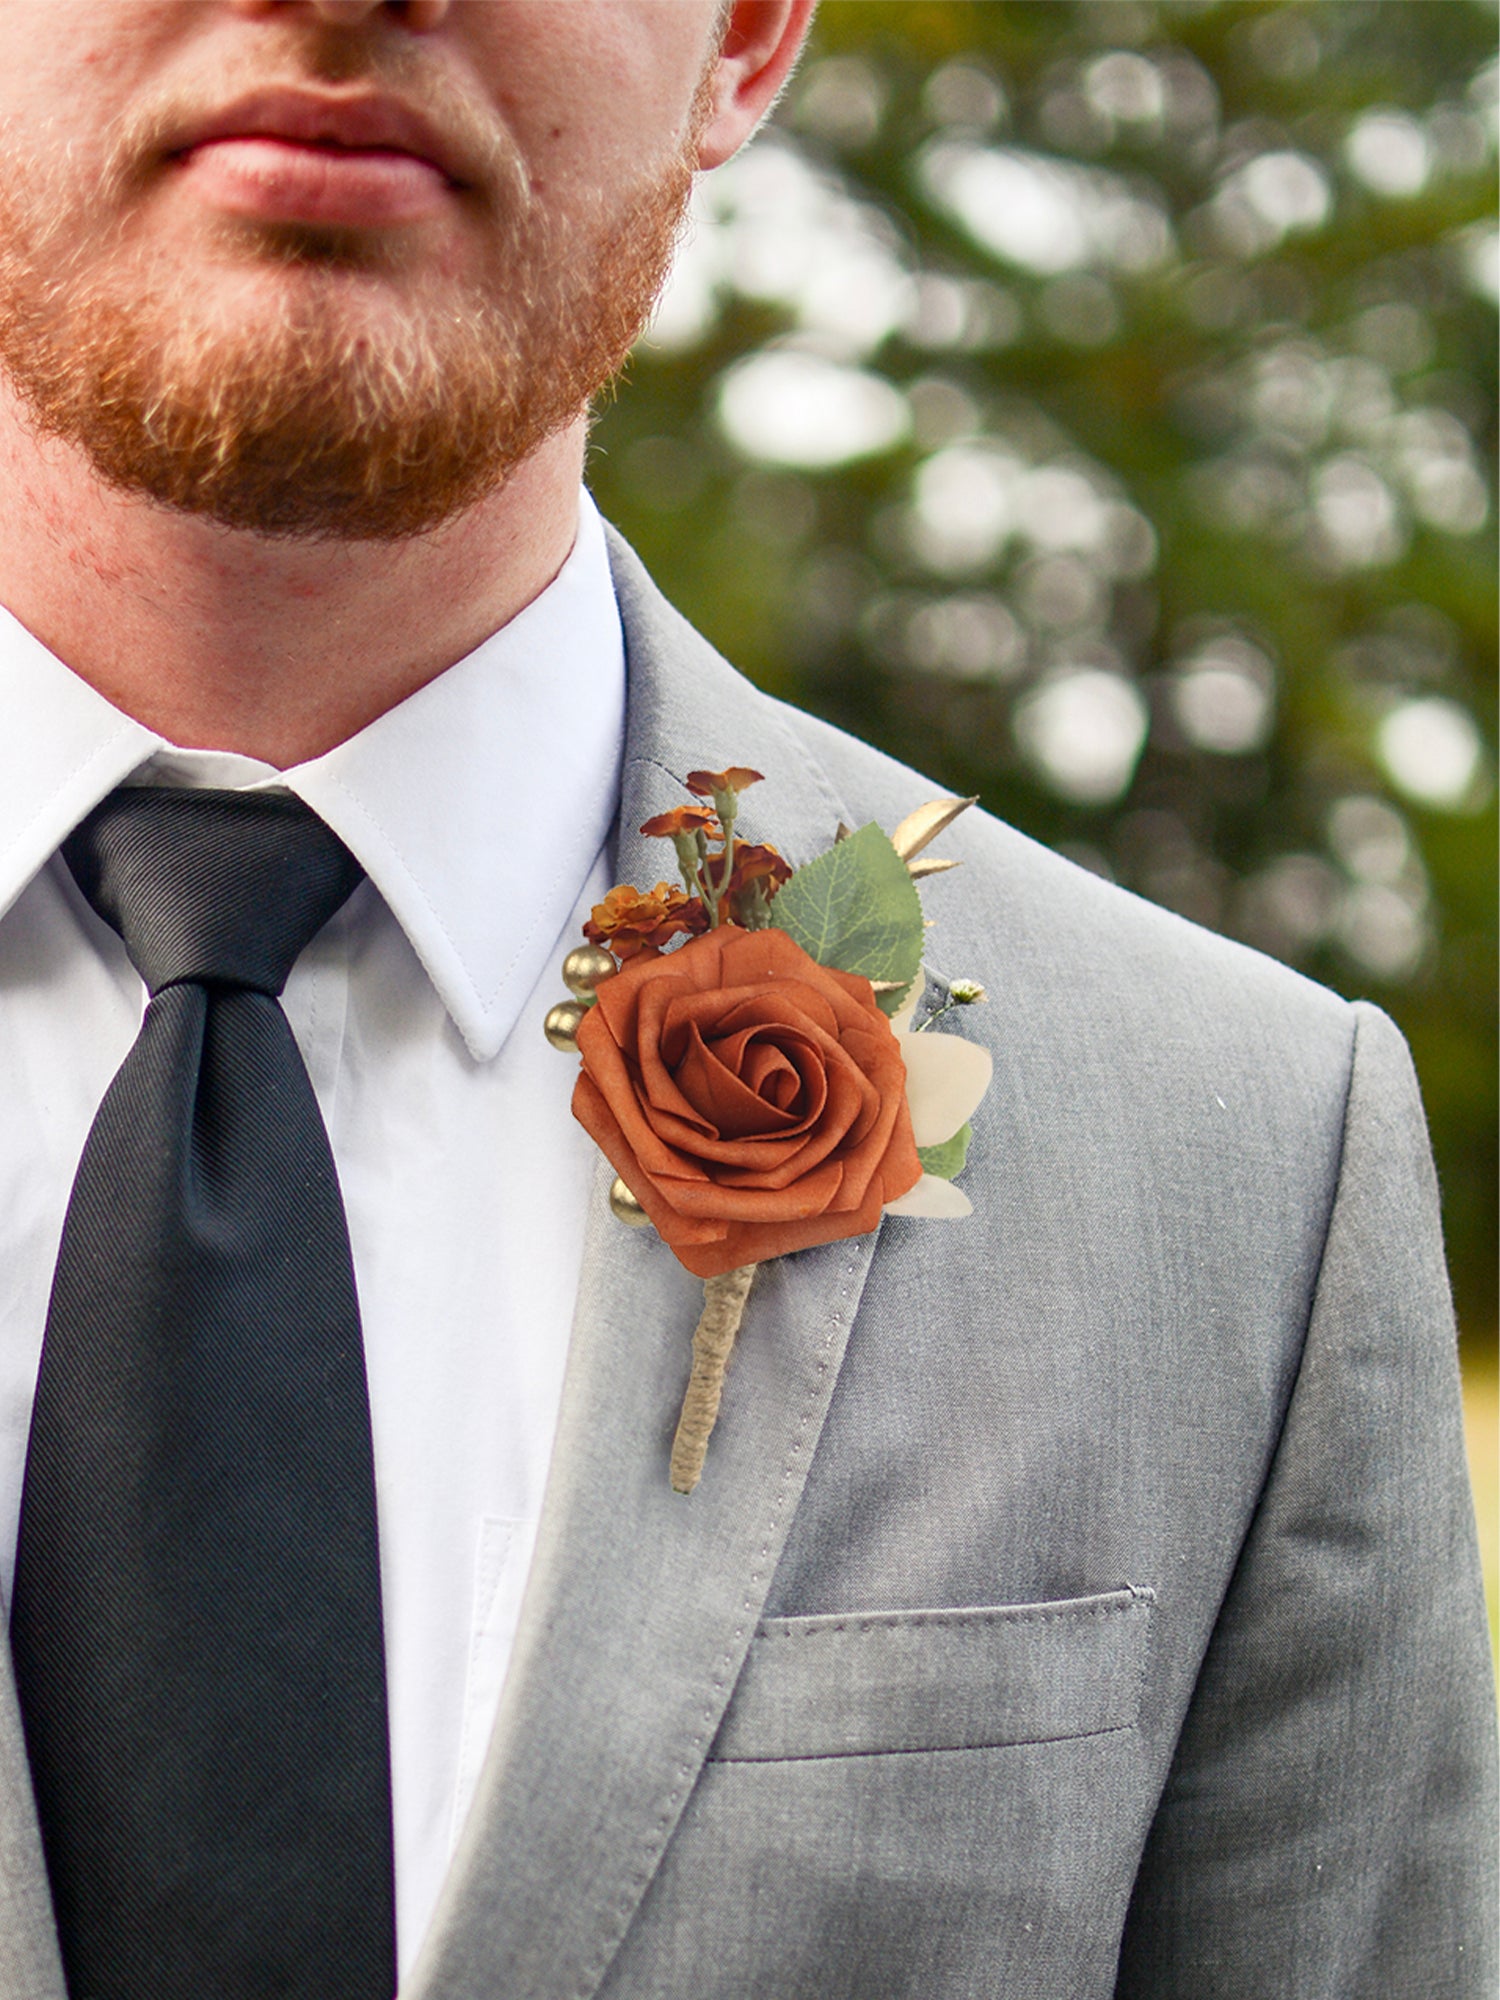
277 180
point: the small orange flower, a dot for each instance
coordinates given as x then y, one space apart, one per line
754 863
736 779
631 924
682 819
757 874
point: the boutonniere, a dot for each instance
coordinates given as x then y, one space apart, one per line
749 1061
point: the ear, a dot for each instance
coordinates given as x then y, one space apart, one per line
760 41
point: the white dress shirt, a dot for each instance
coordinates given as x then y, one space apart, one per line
479 809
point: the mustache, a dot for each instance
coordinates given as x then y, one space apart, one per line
477 148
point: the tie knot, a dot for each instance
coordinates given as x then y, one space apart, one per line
223 888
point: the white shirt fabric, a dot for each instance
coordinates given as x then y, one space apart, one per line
479 809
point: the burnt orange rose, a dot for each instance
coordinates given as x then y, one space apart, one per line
753 1101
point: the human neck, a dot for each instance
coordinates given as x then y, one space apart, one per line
272 647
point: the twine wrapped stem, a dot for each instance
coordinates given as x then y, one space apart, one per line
723 1308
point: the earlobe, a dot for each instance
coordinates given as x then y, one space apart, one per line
760 42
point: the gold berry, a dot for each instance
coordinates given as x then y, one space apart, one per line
561 1024
625 1207
586 968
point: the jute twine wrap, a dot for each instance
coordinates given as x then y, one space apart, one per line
723 1308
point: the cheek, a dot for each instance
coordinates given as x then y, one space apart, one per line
598 94
67 67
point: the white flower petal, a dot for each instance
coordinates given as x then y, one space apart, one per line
933 1198
902 1018
945 1079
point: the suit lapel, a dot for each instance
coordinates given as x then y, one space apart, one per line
30 1968
640 1603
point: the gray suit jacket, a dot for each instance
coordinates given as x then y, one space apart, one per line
1080 1600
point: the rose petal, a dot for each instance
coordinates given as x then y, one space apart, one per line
692 1062
812 1193
595 1116
607 1082
751 1243
935 1199
945 1079
774 1077
732 1108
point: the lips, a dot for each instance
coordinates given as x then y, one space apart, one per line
297 156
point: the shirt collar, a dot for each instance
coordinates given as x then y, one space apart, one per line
477 806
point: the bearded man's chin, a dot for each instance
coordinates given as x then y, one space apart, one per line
307 429
299 420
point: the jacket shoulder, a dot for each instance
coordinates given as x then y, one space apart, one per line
1060 923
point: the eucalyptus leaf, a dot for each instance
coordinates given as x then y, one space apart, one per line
948 1159
856 908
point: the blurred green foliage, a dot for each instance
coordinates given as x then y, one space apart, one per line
1092 402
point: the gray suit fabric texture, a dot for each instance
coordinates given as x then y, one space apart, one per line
1081 1599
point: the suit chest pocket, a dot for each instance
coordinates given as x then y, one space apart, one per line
976 1678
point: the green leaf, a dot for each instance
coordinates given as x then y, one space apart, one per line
856 908
947 1160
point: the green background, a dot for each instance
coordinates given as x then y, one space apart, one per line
1094 406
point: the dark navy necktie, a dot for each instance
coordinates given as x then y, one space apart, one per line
196 1619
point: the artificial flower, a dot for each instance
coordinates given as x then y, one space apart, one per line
751 1095
753 1101
754 863
631 921
679 820
708 784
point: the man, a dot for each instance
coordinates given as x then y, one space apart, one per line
1079 1599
